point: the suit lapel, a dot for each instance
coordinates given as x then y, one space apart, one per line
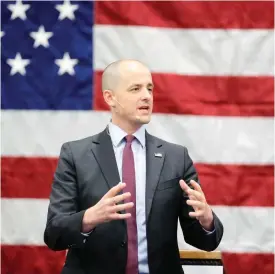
105 156
154 162
102 149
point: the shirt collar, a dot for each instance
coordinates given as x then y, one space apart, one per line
117 134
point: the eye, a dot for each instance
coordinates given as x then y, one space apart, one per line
135 89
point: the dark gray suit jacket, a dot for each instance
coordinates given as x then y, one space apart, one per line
86 171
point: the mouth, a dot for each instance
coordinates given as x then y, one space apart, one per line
144 109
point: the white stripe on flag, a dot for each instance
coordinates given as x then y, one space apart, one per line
246 229
23 222
236 140
192 51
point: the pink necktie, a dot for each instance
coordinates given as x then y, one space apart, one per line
128 176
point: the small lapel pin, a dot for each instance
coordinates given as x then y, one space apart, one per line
158 155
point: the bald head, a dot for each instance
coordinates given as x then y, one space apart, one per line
127 88
117 70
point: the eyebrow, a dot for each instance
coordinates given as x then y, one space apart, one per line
150 84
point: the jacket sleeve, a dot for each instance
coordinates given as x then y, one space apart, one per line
193 232
64 220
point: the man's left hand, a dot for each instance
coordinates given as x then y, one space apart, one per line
197 200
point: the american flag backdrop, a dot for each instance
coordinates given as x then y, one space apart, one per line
213 70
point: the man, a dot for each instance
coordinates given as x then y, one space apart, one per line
131 227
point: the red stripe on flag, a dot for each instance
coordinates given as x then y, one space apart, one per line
27 177
187 14
206 95
40 259
30 260
247 263
235 185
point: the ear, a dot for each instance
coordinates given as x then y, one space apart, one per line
108 97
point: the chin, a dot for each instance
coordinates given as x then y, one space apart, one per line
143 119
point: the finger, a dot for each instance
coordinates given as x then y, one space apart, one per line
184 186
117 216
121 207
114 190
192 197
198 195
196 214
195 203
196 185
118 198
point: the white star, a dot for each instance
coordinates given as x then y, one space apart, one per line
66 10
66 64
41 37
18 64
2 34
18 10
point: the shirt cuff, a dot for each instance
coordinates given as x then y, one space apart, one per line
87 233
209 232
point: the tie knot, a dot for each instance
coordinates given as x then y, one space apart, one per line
129 138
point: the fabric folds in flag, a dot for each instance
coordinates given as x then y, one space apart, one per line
213 70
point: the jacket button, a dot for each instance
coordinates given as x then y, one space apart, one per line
123 244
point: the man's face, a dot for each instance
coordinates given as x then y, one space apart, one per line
133 95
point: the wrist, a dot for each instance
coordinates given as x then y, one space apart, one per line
207 225
88 223
207 222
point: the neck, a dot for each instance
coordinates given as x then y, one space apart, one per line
128 127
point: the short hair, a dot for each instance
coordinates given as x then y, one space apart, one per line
110 75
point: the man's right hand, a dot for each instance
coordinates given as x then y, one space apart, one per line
106 209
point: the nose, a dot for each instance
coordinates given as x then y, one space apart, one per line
146 94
